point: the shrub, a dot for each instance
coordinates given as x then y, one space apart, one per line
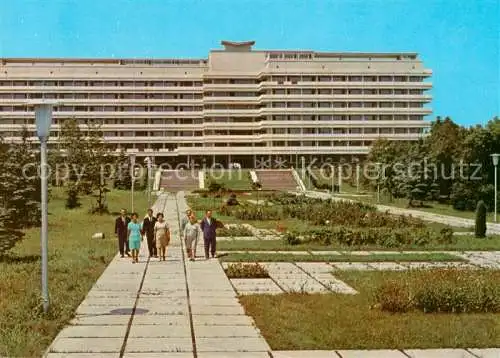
386 237
292 238
480 228
256 212
72 199
446 236
442 290
214 187
241 270
392 296
238 230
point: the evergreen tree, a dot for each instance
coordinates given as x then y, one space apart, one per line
122 177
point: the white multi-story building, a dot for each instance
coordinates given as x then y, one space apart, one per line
239 105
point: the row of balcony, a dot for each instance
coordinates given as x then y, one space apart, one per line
261 138
218 87
266 124
229 99
229 112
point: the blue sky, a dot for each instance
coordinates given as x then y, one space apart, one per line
457 39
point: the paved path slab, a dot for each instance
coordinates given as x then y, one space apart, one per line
438 353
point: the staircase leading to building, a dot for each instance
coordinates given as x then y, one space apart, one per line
179 180
276 179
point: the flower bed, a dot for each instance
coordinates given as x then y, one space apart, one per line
444 290
241 270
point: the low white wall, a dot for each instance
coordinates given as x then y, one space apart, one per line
201 179
156 186
299 181
253 176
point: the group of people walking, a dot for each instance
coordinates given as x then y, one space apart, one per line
130 233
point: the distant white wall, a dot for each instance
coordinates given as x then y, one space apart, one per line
201 179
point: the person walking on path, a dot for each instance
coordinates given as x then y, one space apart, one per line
191 234
186 219
134 237
162 236
148 228
209 226
121 225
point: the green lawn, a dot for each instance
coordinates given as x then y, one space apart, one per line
273 257
231 179
337 321
435 208
462 243
75 262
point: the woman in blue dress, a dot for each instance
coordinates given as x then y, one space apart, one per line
134 237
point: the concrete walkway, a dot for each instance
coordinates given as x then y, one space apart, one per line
175 308
179 309
493 229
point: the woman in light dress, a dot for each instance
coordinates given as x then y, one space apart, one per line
191 234
134 237
162 236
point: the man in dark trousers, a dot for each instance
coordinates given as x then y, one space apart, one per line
209 226
121 231
148 228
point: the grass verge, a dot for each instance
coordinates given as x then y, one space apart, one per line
75 263
336 321
272 257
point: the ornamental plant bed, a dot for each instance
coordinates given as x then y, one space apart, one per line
442 291
241 270
383 237
238 230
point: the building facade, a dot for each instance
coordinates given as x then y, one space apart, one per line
238 105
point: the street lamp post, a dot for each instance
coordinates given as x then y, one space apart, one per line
378 182
148 162
332 173
132 174
43 119
303 161
495 158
